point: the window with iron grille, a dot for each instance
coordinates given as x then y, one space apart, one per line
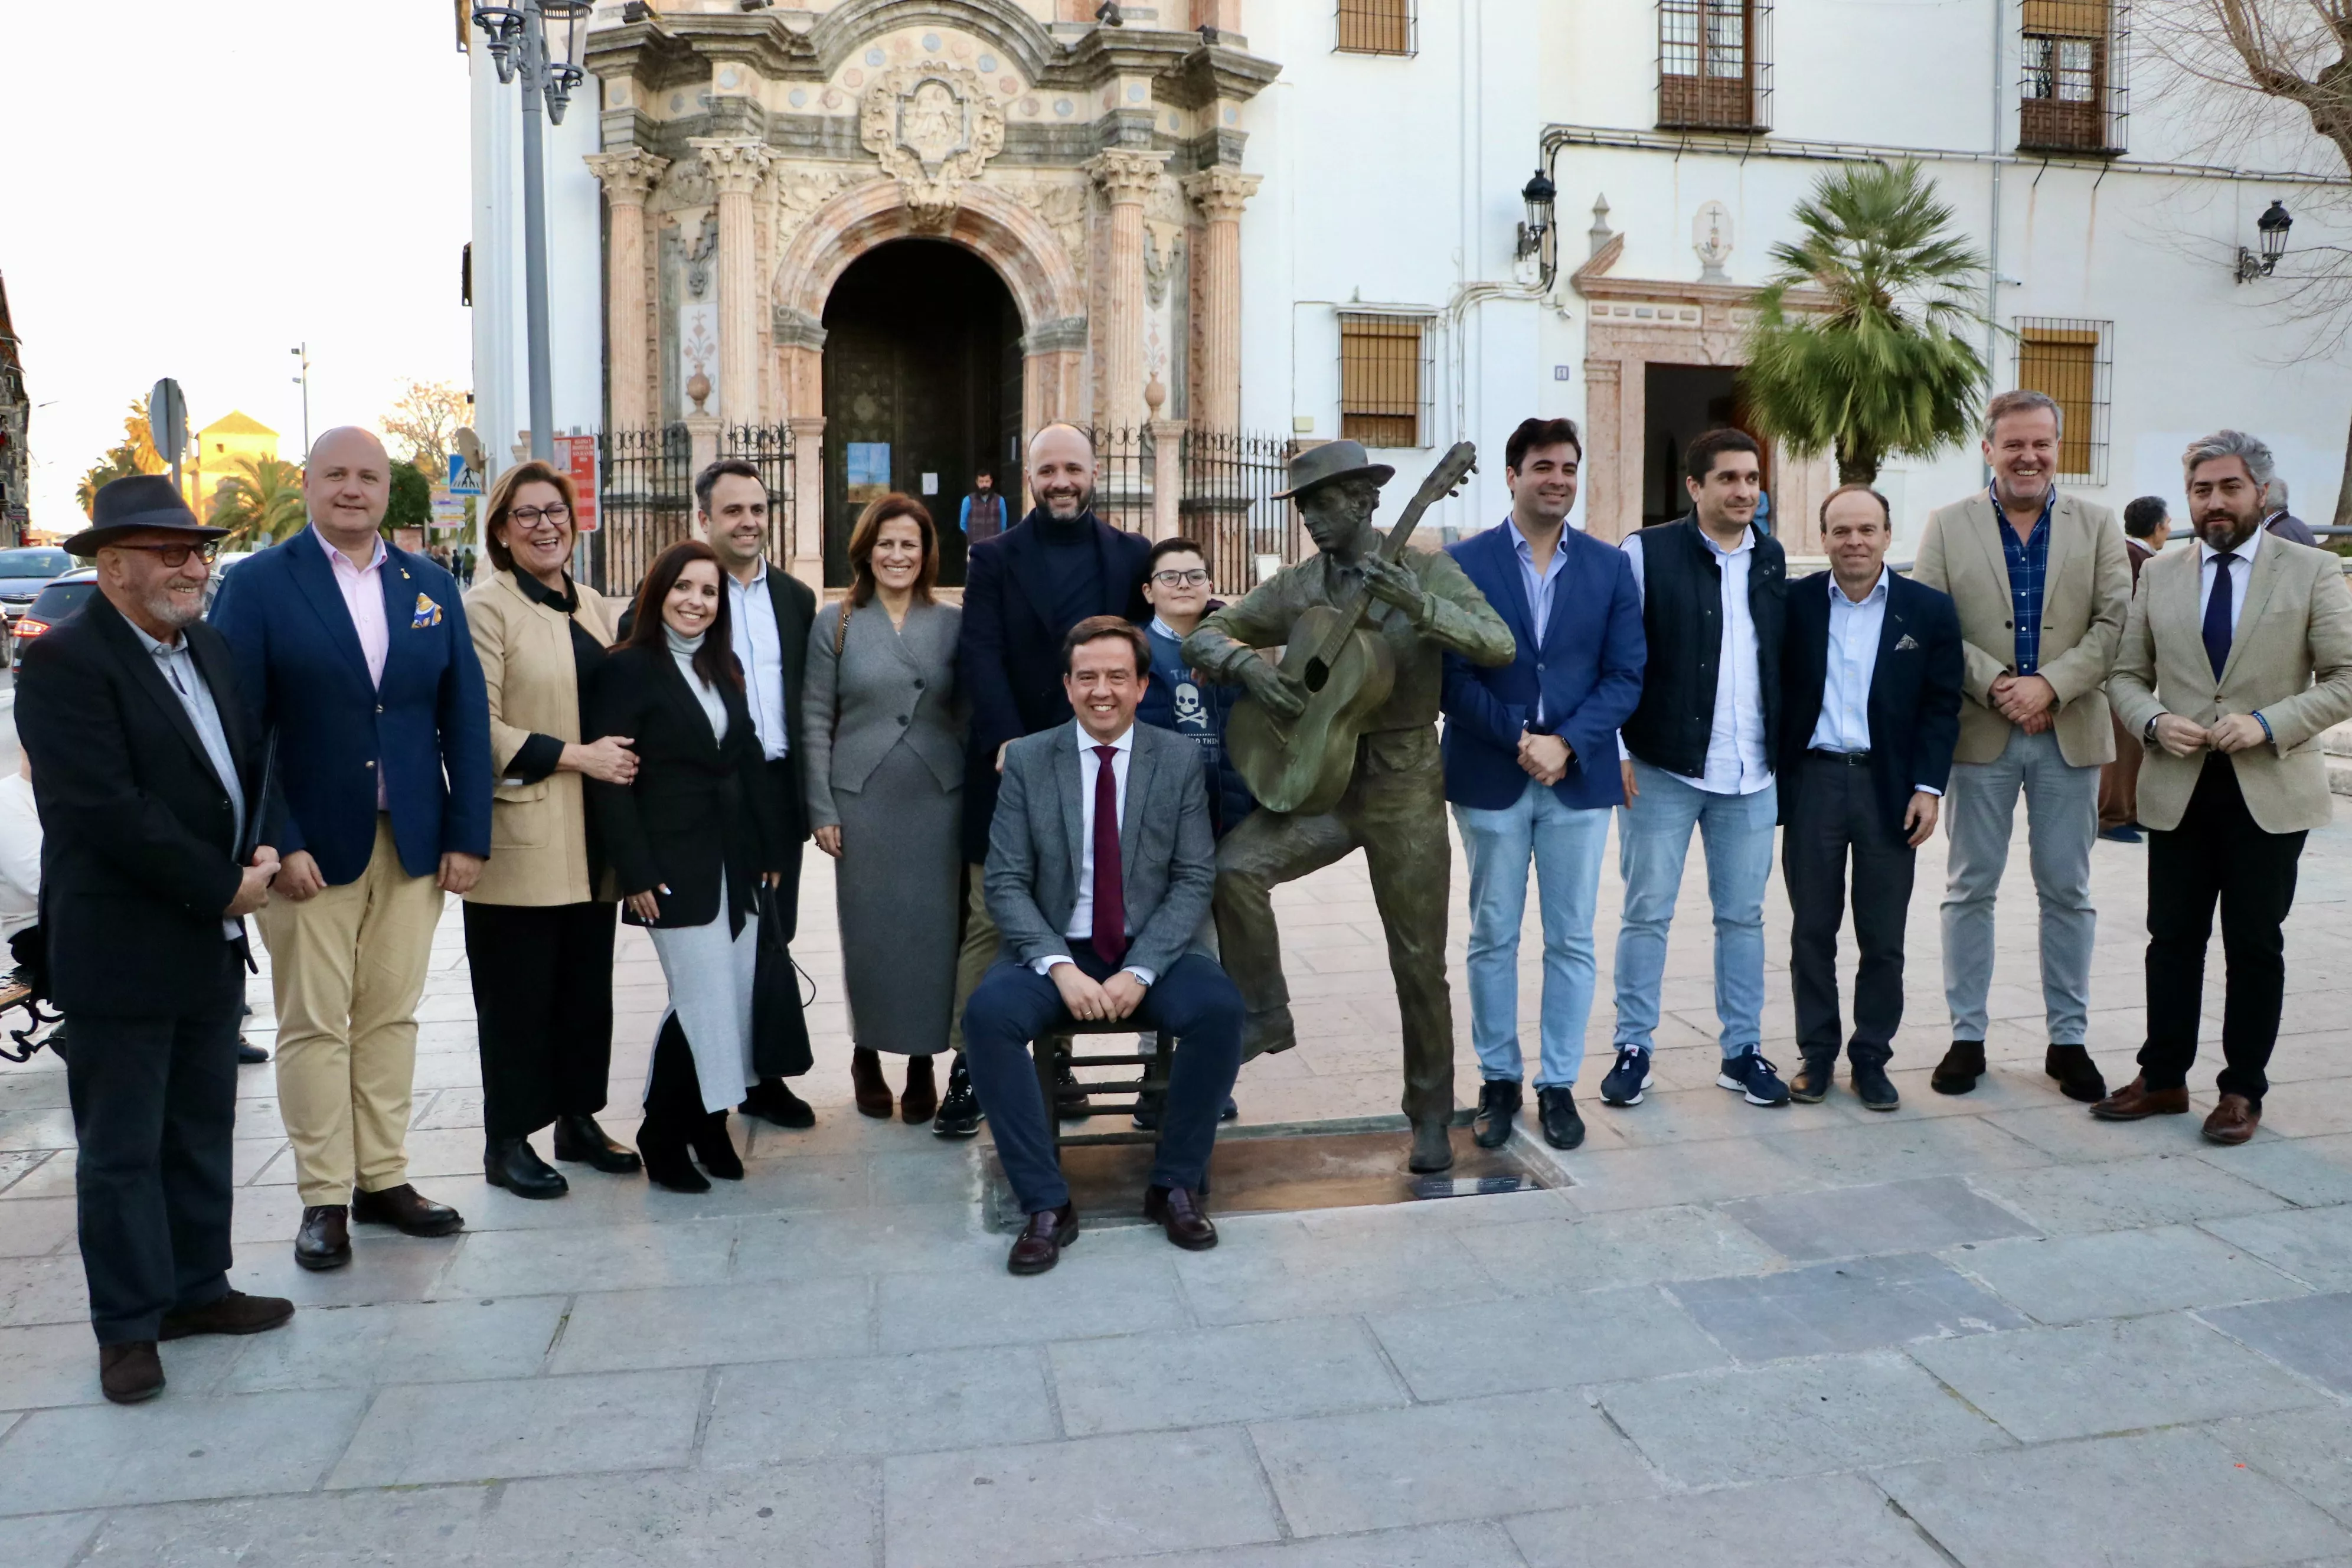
2071 93
1383 379
1378 27
1715 64
2072 360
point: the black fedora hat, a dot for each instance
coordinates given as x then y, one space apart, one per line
133 504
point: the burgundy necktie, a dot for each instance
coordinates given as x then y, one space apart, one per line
1110 901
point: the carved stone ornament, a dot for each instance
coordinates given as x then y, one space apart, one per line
933 127
629 174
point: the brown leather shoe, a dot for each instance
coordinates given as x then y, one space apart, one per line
921 1101
406 1210
2136 1102
128 1373
1959 1071
324 1240
235 1314
1177 1211
1039 1246
2077 1074
872 1090
2234 1120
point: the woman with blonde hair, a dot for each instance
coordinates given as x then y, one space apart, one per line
883 744
539 921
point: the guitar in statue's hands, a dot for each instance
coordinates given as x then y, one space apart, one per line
1334 675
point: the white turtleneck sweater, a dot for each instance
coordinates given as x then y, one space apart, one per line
714 706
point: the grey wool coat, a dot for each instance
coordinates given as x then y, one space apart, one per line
886 686
1167 852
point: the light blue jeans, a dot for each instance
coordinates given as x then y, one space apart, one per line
1565 845
1652 840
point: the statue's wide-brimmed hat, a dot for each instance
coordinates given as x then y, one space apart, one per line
1333 460
133 505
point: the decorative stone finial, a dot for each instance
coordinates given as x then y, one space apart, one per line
1600 234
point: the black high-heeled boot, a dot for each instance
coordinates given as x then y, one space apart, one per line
673 1107
662 1145
715 1148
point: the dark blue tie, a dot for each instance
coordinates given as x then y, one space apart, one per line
2216 614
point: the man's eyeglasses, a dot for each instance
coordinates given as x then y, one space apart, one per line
1197 577
171 555
530 516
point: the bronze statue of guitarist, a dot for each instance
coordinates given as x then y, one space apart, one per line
1417 605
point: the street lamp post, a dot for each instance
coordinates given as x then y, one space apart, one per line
302 352
537 41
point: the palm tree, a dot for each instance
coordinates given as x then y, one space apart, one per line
1885 366
134 454
260 504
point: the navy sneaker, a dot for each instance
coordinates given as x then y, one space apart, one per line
1755 1076
1628 1079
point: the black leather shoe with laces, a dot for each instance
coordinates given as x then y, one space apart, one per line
1498 1101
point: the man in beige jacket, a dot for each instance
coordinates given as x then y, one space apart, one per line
2238 654
2043 585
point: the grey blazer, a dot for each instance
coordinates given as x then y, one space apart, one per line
1166 850
887 684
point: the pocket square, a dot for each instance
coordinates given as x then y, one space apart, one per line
428 613
1905 640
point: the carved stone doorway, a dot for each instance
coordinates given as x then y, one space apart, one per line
922 386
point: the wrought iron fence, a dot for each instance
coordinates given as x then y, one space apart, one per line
1123 478
1229 483
646 504
769 448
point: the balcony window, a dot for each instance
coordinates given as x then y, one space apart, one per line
1715 69
2071 94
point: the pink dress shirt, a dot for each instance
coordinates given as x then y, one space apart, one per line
363 590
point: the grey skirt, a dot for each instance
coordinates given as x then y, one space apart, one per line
898 892
709 976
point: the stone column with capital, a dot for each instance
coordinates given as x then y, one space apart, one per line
737 165
1127 177
1220 192
629 176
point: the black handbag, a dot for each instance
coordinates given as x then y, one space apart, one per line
779 1036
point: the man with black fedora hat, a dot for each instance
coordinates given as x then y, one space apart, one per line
1423 607
149 782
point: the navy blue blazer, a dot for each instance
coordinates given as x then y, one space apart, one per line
1009 655
305 680
1915 690
1587 671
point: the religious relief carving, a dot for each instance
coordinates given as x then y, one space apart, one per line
933 127
685 185
698 252
1062 206
736 165
800 191
629 174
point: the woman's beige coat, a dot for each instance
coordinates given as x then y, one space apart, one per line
538 832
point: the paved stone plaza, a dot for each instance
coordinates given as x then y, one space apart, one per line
1984 1331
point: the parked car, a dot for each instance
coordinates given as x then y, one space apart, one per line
24 572
61 598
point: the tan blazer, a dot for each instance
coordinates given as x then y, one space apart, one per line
2290 660
2086 594
539 831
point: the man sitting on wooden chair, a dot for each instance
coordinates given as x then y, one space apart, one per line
1100 868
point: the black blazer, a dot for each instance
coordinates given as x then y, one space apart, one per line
1009 657
796 608
1915 690
699 805
137 849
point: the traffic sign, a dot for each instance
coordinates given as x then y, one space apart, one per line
448 510
167 424
464 476
576 456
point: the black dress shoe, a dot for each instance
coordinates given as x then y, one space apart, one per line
1556 1109
407 1211
234 1313
324 1240
1873 1086
128 1373
580 1141
1069 1095
1811 1084
249 1055
1961 1067
958 1114
2077 1074
772 1100
1178 1212
664 1147
1039 1246
514 1165
715 1147
1498 1101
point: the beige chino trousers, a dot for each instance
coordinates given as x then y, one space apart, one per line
347 968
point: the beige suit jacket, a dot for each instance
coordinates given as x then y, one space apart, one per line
2290 661
539 831
2086 591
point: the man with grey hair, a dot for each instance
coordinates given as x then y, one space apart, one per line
2238 654
2279 521
2042 585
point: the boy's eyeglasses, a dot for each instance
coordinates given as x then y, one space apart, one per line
1198 577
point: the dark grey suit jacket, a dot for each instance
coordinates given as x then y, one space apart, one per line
1166 851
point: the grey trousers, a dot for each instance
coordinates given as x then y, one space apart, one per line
2061 819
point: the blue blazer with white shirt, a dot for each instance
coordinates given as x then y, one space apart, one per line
305 682
1587 672
1915 690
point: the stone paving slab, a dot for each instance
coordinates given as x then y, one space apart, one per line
1834 1521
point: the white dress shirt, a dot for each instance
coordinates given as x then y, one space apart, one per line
1081 913
1853 660
2241 572
751 617
1537 581
1734 742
